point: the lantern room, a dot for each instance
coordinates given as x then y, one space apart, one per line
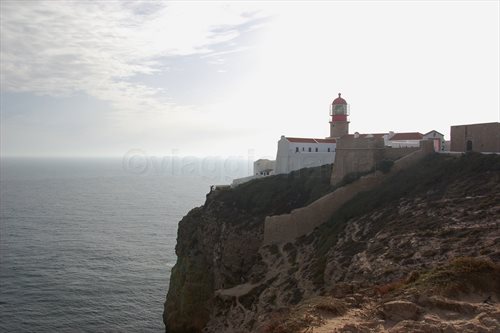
339 125
339 109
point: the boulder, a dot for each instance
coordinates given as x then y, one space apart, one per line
400 310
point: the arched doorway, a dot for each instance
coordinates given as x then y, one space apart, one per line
469 145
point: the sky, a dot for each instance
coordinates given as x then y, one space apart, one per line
211 78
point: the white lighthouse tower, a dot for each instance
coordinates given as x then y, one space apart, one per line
339 110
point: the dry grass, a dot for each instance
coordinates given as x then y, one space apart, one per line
387 288
333 307
304 317
462 276
281 323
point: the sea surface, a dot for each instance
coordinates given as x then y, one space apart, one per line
87 245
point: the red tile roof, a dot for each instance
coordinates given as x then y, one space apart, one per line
311 140
303 140
325 140
407 136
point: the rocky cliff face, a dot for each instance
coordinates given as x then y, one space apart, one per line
419 253
218 244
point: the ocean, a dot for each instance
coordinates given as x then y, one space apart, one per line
87 245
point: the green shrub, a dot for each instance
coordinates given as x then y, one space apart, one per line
384 165
280 194
461 275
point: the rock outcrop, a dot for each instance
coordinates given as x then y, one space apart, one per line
419 253
218 244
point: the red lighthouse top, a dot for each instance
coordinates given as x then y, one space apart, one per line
339 101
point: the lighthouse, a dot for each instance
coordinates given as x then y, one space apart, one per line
339 110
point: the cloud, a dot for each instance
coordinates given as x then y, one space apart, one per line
59 48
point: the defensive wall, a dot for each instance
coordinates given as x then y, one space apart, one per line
361 155
394 154
287 227
356 155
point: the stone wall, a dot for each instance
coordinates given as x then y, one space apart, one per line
361 155
396 153
356 155
301 221
482 137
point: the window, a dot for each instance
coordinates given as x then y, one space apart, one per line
296 149
302 148
316 149
328 149
309 149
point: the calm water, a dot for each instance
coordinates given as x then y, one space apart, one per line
88 246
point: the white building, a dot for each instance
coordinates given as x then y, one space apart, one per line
297 153
264 167
261 168
439 142
403 140
412 139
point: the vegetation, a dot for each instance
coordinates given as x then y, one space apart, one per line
285 323
461 276
280 194
384 165
430 177
352 177
333 307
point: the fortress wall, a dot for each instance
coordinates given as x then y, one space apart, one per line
354 161
396 153
356 155
426 148
279 229
484 137
301 221
351 142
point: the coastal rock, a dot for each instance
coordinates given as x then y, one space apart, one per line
400 310
423 249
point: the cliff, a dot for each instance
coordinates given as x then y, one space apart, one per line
419 252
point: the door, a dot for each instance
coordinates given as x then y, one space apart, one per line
469 145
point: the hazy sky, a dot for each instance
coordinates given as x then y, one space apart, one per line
82 78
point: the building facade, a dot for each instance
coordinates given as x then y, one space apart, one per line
298 153
359 151
403 140
261 168
264 167
438 138
475 137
